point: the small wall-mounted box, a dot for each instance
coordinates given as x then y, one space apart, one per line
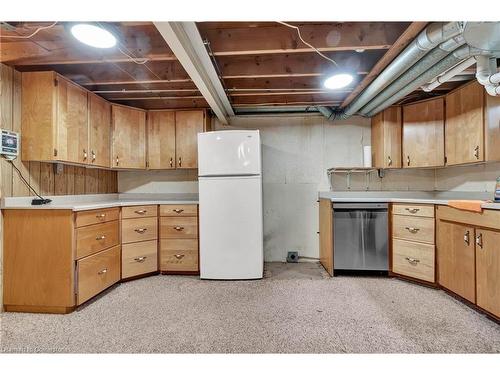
9 147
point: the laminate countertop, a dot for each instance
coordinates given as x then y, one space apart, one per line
98 201
415 197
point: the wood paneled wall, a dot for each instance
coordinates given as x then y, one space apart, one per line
72 179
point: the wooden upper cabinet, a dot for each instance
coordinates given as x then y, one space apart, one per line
54 119
423 134
386 138
99 131
129 137
161 140
465 125
187 126
456 258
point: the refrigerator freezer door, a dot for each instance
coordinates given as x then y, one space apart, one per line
229 153
231 228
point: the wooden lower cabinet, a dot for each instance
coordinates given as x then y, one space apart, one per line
456 259
488 270
97 272
326 235
139 258
179 249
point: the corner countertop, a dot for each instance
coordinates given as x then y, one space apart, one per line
97 201
416 197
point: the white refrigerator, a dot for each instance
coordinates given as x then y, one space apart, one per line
230 191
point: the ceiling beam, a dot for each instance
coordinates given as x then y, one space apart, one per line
276 38
185 41
406 37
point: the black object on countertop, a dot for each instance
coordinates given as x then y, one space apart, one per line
40 201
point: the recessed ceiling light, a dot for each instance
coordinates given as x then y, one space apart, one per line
93 35
338 81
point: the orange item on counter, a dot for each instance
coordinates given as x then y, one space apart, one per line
466 205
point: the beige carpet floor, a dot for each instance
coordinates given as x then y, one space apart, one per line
294 309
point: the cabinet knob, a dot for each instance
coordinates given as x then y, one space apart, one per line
178 210
179 256
479 240
100 216
412 210
93 155
476 152
467 238
117 160
390 161
103 271
171 162
179 228
412 261
412 230
140 212
408 160
180 161
141 230
100 238
84 154
140 259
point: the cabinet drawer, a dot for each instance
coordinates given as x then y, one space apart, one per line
413 210
94 238
143 229
139 258
139 211
97 272
178 210
179 255
97 216
413 228
178 227
413 259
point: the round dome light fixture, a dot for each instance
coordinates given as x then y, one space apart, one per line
338 81
94 36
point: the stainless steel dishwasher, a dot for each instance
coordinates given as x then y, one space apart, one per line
360 234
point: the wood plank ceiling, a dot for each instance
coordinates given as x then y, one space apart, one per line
260 63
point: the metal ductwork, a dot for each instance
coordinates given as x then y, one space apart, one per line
439 48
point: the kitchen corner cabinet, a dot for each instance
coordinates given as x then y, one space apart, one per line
386 138
173 138
54 119
423 134
99 131
128 146
469 255
471 126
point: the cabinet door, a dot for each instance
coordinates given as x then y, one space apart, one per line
161 139
488 270
129 138
423 134
187 126
72 122
326 235
386 138
99 131
456 258
465 125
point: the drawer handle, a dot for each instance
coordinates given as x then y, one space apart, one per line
140 259
467 238
100 216
412 260
412 210
412 230
179 228
103 271
140 212
479 240
99 238
179 256
141 230
476 152
178 210
390 161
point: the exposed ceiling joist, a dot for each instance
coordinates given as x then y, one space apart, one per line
185 41
405 38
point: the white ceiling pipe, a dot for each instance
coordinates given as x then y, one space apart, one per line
436 82
486 74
